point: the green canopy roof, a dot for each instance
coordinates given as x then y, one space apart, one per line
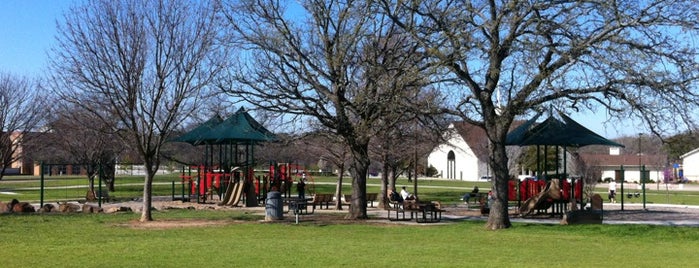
555 132
239 128
195 135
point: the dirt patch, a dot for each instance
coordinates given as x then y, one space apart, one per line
171 224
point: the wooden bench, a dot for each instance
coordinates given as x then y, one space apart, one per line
421 212
398 209
427 212
371 198
320 199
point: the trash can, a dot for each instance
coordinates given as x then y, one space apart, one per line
274 207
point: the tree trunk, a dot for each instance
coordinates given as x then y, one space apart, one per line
499 217
147 196
109 171
358 169
384 182
338 188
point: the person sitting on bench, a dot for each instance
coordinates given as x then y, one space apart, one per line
406 196
473 193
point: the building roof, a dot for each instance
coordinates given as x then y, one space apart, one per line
690 153
475 137
632 160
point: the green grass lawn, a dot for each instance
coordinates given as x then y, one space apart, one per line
106 240
101 240
61 188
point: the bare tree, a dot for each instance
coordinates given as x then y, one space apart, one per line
330 149
22 109
145 63
630 59
590 173
316 64
86 141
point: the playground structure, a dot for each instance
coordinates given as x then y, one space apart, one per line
539 195
228 164
551 192
229 187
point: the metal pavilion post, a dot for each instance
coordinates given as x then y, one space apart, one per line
643 175
622 187
41 169
641 170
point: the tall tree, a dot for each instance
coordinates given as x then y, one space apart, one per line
679 144
86 141
145 63
22 109
630 59
318 61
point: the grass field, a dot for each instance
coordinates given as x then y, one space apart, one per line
60 188
241 240
237 239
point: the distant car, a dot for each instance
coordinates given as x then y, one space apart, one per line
486 178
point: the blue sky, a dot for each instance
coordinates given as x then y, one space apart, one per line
28 27
27 31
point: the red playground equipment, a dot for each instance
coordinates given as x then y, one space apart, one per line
540 195
281 178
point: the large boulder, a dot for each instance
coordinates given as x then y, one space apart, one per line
65 207
47 208
6 207
118 209
21 207
91 209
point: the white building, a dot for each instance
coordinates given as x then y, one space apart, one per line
464 156
690 165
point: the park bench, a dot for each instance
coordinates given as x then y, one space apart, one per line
422 212
397 208
370 199
426 212
320 199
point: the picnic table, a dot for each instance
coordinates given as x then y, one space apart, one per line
420 211
299 206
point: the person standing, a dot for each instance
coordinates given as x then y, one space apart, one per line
301 187
612 191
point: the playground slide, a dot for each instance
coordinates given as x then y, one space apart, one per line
539 201
237 194
228 194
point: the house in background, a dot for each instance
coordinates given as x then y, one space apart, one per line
632 163
463 156
690 165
